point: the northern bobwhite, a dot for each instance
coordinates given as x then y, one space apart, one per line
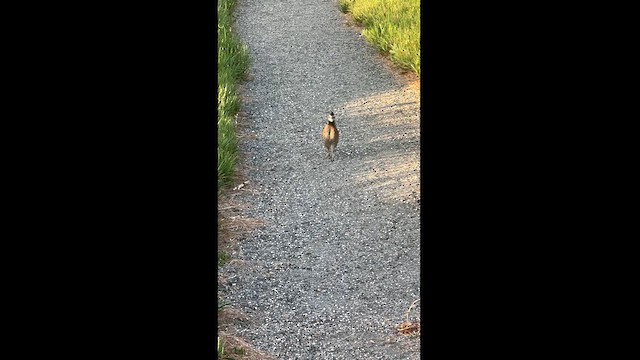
330 135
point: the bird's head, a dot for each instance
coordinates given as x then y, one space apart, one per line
331 118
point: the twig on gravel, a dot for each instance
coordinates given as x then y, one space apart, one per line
228 208
409 310
407 327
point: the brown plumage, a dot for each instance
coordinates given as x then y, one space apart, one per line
330 135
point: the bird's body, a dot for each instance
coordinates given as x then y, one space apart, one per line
330 135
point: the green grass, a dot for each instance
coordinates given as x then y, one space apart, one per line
393 26
233 62
223 257
220 348
223 355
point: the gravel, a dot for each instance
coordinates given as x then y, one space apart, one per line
337 264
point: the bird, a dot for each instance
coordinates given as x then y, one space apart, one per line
330 135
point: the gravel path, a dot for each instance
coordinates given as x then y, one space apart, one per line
337 264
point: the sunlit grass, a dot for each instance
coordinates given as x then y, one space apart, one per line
393 26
